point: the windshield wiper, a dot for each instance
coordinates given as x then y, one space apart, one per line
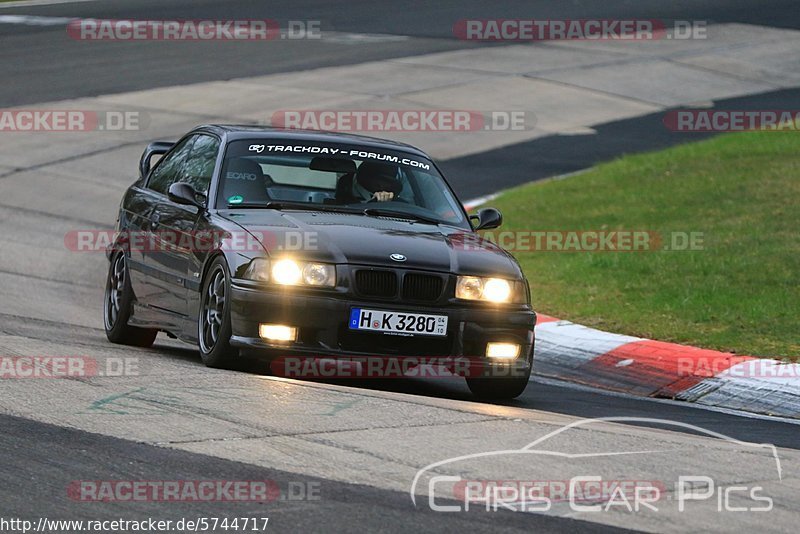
383 212
374 212
247 205
280 205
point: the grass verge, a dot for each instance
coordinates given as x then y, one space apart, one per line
740 292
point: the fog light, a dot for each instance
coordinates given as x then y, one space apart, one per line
277 332
502 351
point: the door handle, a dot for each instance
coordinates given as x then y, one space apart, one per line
155 221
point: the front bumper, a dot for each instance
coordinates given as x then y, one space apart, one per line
322 323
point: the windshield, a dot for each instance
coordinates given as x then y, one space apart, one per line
329 176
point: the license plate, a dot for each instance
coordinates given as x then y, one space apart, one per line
393 322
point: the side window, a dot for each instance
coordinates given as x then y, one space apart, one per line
200 166
168 170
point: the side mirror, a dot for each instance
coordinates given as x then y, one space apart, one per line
158 148
183 193
487 218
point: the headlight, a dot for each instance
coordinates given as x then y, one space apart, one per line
292 273
319 274
469 287
286 273
496 290
488 289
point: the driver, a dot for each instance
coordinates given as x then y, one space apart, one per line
376 181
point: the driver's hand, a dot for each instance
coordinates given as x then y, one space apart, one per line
383 196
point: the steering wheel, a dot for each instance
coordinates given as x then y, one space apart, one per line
395 199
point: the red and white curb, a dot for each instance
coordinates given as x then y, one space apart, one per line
637 366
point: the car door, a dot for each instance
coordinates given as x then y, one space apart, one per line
168 171
134 220
176 235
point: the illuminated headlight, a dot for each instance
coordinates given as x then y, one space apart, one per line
286 273
487 289
292 273
496 290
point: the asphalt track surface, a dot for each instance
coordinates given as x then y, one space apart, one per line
563 154
41 459
62 456
54 67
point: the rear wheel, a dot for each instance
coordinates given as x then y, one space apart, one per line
118 303
214 319
501 387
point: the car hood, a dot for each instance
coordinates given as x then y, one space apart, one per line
369 240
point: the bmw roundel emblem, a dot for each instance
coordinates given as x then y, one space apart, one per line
398 257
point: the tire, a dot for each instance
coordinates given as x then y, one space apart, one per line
214 318
500 388
118 304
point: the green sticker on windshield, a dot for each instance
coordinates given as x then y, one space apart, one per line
235 199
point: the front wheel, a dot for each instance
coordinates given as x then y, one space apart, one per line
214 319
118 303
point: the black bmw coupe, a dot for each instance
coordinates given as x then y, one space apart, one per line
285 242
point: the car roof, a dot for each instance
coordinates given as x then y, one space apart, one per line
233 132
